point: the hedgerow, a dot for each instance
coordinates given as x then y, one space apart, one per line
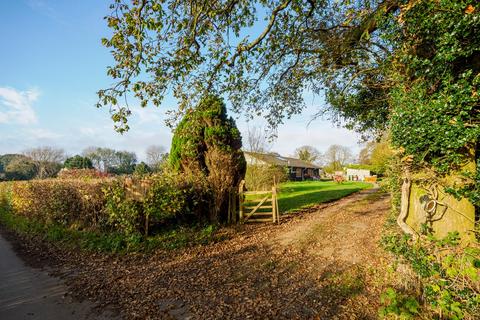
169 199
109 205
262 177
70 203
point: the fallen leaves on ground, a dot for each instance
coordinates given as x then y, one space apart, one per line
318 264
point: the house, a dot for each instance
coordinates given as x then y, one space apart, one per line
357 174
298 170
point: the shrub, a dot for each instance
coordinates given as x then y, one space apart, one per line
81 174
5 194
71 203
78 162
447 272
261 177
123 212
207 142
178 196
130 208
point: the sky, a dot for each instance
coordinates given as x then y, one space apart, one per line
51 66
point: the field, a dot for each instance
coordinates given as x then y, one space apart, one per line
297 195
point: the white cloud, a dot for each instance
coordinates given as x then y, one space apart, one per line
148 115
17 106
43 134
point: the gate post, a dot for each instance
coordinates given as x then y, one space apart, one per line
274 205
240 200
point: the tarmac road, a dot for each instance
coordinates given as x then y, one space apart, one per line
27 293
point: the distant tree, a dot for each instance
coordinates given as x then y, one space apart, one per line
78 162
123 163
376 155
337 157
20 168
365 155
142 169
110 160
308 154
7 158
257 140
102 158
156 155
47 159
381 155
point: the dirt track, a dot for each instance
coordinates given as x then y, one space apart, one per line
322 264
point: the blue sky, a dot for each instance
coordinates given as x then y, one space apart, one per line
52 64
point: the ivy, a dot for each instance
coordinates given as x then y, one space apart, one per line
449 275
435 102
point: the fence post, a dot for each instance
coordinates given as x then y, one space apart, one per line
240 200
277 208
274 206
234 206
229 212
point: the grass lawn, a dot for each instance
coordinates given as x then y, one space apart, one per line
297 195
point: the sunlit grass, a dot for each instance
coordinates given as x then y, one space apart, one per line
297 195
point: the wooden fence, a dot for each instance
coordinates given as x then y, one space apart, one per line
244 206
258 206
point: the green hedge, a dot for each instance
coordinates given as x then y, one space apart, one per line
106 205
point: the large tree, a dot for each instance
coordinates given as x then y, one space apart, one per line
47 159
410 66
261 54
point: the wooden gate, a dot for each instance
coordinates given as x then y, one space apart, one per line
258 206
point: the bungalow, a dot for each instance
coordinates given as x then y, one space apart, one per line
298 170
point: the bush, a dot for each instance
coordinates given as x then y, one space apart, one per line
5 194
261 177
208 143
78 162
70 203
124 205
134 206
81 174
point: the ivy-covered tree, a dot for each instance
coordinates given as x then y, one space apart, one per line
207 142
435 98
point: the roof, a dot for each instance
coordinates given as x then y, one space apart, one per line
278 160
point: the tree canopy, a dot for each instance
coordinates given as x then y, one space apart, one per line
261 54
110 160
407 66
